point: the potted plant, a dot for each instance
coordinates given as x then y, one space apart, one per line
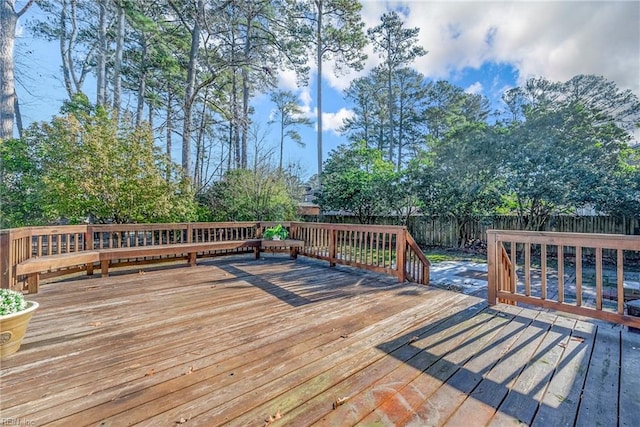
275 233
15 314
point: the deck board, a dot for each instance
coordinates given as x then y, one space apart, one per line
237 341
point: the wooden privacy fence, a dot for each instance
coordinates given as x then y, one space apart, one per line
377 248
522 269
444 230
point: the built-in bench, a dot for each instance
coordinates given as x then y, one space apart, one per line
33 267
191 249
30 254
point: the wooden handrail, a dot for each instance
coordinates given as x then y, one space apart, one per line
535 289
385 249
417 265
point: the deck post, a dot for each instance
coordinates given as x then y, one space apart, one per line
492 276
6 266
88 246
189 233
332 246
33 283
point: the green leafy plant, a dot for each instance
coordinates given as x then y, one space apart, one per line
11 302
275 233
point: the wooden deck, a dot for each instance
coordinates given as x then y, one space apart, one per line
241 342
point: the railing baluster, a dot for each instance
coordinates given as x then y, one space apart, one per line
543 270
560 273
598 278
527 269
620 280
579 276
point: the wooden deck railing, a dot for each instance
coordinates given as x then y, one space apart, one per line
370 247
376 248
590 279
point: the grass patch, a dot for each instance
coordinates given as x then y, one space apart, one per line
444 254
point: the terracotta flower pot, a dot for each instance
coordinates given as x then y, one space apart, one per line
13 328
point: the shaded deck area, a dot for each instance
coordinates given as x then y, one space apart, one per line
235 341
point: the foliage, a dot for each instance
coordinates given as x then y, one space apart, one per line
250 195
622 196
367 97
449 107
398 47
289 115
564 148
371 104
21 186
459 175
333 31
275 233
88 169
11 302
357 179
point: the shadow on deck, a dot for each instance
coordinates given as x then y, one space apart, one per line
279 342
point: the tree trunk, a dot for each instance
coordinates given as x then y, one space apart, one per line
319 88
400 135
142 82
390 108
8 20
8 101
117 66
245 117
169 131
101 71
230 153
190 90
18 116
197 170
67 41
281 143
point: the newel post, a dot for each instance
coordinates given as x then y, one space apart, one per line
333 244
6 269
88 243
492 273
189 232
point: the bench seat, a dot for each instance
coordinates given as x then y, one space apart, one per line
53 262
192 249
32 267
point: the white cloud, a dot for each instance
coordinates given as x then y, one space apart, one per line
551 39
287 80
474 88
334 121
305 96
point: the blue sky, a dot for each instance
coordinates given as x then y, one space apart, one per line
482 46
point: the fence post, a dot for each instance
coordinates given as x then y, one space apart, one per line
492 259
